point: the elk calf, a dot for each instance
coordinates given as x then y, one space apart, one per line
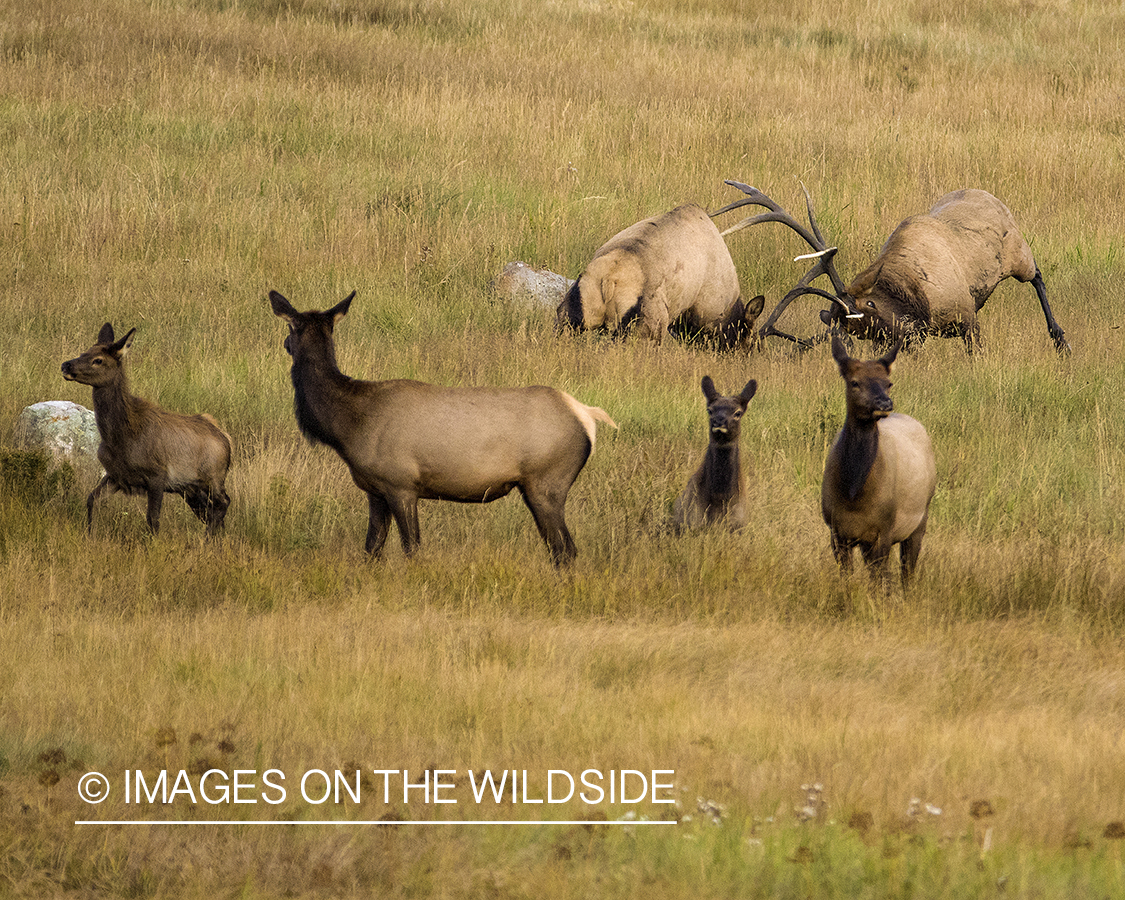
406 441
717 490
146 449
880 474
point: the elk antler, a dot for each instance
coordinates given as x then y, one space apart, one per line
823 254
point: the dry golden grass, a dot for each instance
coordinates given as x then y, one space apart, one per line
167 163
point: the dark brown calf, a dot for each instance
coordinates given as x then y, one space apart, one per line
146 449
717 490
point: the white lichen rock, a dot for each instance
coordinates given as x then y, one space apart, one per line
65 430
524 285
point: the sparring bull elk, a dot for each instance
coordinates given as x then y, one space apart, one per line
671 271
932 276
406 441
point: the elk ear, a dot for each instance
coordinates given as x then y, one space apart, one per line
709 390
748 392
754 307
105 336
889 357
282 307
340 310
120 348
840 354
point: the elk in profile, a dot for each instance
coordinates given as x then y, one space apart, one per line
146 449
932 276
880 473
670 271
406 441
717 490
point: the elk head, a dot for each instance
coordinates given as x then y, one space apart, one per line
843 307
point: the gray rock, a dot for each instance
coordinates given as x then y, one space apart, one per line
65 430
524 285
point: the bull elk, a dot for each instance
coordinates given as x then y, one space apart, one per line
932 276
405 441
146 449
669 271
880 473
717 490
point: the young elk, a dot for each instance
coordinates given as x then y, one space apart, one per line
406 441
146 449
880 474
717 490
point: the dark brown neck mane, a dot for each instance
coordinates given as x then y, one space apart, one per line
860 446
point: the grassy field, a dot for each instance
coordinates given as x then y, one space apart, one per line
167 162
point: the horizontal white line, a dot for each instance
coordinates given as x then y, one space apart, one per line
367 822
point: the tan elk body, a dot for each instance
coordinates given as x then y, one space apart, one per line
405 441
880 474
717 490
148 450
932 275
669 270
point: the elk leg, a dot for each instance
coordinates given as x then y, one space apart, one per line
908 552
94 494
876 556
842 550
970 334
405 511
210 507
548 513
378 523
217 510
1053 328
654 315
155 504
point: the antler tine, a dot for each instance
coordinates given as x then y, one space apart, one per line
812 218
776 214
800 290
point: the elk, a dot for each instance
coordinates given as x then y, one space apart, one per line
669 271
880 474
932 276
405 441
717 490
145 449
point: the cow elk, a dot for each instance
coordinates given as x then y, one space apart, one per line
406 441
932 276
148 450
880 473
717 490
671 271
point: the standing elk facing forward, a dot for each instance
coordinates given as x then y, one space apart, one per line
146 449
406 441
717 490
880 474
670 270
932 276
